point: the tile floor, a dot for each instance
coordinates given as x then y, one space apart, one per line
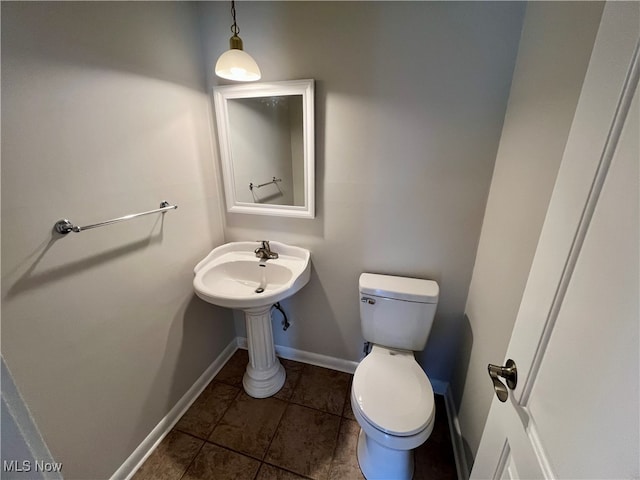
307 430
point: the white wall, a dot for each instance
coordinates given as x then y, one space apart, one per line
410 100
104 113
552 60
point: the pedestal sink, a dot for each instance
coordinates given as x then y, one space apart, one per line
232 276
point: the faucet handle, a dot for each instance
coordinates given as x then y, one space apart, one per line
264 248
265 252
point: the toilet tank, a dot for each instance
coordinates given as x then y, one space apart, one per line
397 312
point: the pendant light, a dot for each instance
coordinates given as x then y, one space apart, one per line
235 63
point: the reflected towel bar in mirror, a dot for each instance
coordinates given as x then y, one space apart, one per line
274 180
65 226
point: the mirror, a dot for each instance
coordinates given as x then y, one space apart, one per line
266 138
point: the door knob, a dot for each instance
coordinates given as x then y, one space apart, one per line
509 372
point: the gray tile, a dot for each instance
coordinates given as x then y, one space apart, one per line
345 460
322 389
208 409
304 442
269 472
234 369
293 369
171 457
216 463
249 424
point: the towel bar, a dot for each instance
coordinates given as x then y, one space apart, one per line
65 226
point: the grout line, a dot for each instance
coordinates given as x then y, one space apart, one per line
286 470
316 409
192 460
224 413
206 437
293 388
335 447
264 461
275 432
347 397
291 402
206 440
189 433
224 448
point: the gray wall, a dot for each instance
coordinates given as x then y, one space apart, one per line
104 112
552 60
410 100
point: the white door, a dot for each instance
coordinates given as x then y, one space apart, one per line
575 410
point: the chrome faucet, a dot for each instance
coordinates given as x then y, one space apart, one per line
264 252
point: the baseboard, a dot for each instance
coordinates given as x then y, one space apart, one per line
456 436
148 445
317 359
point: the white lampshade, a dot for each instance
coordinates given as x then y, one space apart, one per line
237 65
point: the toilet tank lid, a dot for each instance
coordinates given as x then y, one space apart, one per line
399 288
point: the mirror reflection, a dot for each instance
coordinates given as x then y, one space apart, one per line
268 129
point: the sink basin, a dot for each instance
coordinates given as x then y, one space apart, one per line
232 276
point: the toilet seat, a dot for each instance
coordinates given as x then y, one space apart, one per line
393 393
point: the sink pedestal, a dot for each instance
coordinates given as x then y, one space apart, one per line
232 276
265 374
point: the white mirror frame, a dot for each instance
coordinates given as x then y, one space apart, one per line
221 95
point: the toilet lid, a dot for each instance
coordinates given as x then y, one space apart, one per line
393 393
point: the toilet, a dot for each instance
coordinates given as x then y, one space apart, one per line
391 396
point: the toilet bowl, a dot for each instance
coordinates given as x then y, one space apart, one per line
391 396
392 400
